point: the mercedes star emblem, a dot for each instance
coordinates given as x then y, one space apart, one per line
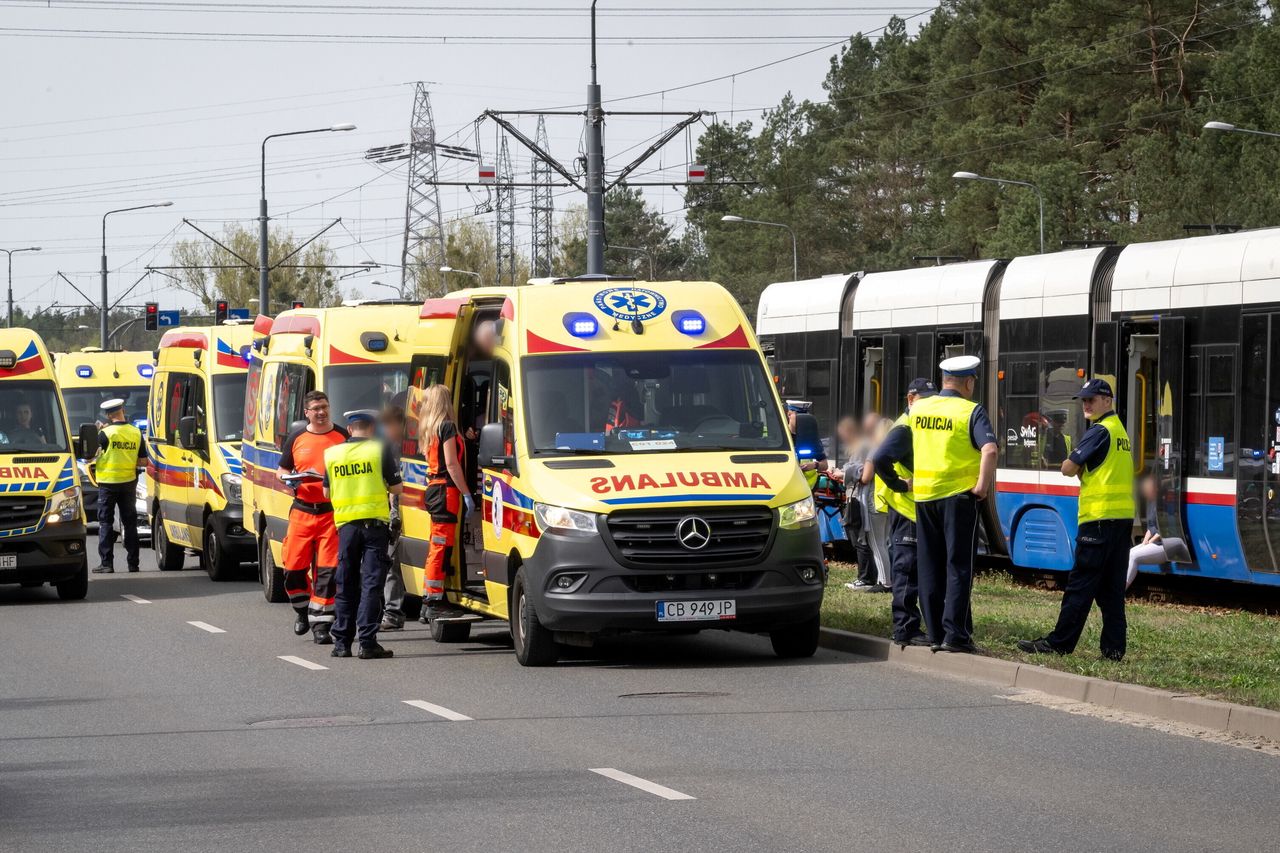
693 532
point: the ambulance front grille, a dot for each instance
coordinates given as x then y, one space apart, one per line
16 513
739 535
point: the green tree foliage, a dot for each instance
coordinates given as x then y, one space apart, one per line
1099 103
639 241
469 245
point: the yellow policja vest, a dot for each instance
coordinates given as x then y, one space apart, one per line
119 462
356 487
1107 491
902 503
946 462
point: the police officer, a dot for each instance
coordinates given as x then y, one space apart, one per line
1103 461
953 448
120 450
892 463
360 476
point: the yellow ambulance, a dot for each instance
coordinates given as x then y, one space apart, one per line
358 354
90 376
42 529
633 462
196 418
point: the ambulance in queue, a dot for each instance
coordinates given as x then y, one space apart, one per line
42 527
358 354
87 378
633 463
193 448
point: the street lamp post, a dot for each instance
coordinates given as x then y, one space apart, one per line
10 253
973 176
795 257
1231 128
446 269
106 305
264 298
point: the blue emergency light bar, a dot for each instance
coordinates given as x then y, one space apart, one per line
689 322
146 371
84 371
581 324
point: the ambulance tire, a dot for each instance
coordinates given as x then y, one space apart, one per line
214 559
271 575
75 587
168 556
797 641
444 631
535 645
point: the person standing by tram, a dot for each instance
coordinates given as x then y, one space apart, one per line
953 447
120 451
1104 463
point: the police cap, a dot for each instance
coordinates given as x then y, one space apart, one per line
358 416
960 365
800 406
111 405
922 387
1095 388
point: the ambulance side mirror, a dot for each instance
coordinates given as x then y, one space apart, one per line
808 436
87 441
493 453
187 432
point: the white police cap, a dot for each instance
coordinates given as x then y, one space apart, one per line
961 365
359 415
112 404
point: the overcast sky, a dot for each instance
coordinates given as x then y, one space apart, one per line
110 103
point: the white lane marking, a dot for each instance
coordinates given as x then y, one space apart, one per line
437 710
205 626
135 599
643 784
302 662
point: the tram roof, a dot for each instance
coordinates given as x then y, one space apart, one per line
1052 285
945 295
812 305
1221 269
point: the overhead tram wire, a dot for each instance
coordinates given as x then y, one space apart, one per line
452 11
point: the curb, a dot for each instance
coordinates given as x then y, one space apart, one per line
1197 711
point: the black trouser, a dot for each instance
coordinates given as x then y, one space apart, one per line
947 539
906 586
1102 558
111 496
362 571
859 534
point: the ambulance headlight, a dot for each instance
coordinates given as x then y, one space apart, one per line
563 519
689 322
231 487
800 514
580 324
64 506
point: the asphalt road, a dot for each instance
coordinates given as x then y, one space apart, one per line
123 726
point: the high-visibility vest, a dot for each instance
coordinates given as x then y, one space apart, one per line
356 487
119 462
1107 491
946 462
902 503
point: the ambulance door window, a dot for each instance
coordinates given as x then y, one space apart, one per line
502 405
292 384
174 406
252 383
196 406
424 371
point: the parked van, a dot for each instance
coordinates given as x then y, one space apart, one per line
193 465
357 354
42 528
634 464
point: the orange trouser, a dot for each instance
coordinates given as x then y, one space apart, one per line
442 502
310 562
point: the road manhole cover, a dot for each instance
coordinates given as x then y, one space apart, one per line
674 694
310 722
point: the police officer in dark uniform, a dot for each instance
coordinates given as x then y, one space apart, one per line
954 449
1103 461
892 462
361 475
120 451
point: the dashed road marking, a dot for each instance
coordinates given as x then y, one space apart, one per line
135 599
205 626
643 784
438 710
302 662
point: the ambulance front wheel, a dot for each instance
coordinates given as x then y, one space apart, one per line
168 556
797 641
535 645
271 575
220 565
75 587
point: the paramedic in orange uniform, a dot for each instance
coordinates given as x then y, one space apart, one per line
446 493
311 539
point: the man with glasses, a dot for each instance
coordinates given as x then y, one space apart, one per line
311 539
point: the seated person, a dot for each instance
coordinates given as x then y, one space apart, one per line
624 408
23 433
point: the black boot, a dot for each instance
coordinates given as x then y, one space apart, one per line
320 633
374 652
300 623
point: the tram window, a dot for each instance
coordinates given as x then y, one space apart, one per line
792 380
1063 417
1023 378
1218 416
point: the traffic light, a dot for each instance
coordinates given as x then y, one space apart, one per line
220 311
297 303
151 319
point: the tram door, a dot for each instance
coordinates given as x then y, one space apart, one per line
1258 449
873 370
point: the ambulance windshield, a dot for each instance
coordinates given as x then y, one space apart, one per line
83 403
650 401
30 418
364 386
